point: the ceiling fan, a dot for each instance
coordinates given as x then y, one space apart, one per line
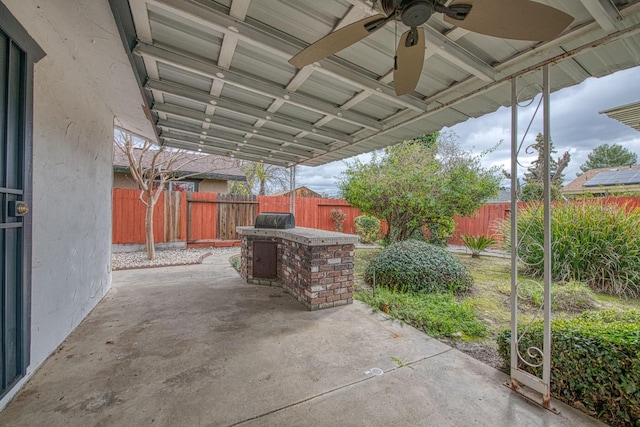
511 19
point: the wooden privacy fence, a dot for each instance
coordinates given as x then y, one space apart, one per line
210 218
312 212
485 222
200 218
488 219
128 216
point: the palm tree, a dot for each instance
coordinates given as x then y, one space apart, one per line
262 178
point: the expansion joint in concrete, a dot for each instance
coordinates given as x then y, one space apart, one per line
333 390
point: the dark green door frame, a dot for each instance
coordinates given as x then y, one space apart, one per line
18 53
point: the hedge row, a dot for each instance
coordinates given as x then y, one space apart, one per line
595 360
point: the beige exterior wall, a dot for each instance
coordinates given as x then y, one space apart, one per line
213 186
123 180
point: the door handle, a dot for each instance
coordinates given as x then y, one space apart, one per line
18 208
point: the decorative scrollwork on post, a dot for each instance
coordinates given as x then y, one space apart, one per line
526 292
528 295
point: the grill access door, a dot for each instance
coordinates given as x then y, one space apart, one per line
265 260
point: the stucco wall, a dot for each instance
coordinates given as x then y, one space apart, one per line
72 163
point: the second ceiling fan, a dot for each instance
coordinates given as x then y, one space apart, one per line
510 19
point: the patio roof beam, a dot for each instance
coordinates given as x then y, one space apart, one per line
605 13
210 69
187 145
230 145
355 13
514 65
200 117
239 9
444 46
278 137
282 45
234 138
454 53
242 109
628 32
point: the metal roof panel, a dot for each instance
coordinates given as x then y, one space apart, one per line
346 104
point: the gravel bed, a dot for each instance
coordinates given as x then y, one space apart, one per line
127 260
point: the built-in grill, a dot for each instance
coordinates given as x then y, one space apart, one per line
275 220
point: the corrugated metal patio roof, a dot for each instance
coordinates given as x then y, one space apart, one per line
201 167
628 114
216 74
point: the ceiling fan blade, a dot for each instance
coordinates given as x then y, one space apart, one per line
513 19
338 40
409 61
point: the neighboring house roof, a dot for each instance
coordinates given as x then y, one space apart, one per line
504 195
628 114
300 192
209 166
609 180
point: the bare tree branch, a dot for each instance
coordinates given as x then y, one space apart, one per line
152 167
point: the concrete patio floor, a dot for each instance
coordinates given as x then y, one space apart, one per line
195 345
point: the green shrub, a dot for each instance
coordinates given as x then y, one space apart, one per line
420 267
367 228
591 243
439 233
595 360
438 314
477 244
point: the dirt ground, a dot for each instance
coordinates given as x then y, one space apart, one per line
482 352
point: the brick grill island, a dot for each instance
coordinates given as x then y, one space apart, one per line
315 266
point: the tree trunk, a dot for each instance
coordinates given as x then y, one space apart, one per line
151 248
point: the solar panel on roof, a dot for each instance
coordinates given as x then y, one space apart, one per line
614 177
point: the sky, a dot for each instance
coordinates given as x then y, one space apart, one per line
576 127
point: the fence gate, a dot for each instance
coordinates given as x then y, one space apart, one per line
215 216
233 211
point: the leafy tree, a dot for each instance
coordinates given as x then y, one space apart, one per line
417 184
533 185
608 156
151 167
262 178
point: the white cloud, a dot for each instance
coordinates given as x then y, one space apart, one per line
576 126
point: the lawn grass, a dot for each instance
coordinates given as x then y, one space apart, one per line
439 315
481 314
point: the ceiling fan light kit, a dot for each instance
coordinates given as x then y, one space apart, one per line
513 19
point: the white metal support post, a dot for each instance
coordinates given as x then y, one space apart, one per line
546 367
535 358
292 188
